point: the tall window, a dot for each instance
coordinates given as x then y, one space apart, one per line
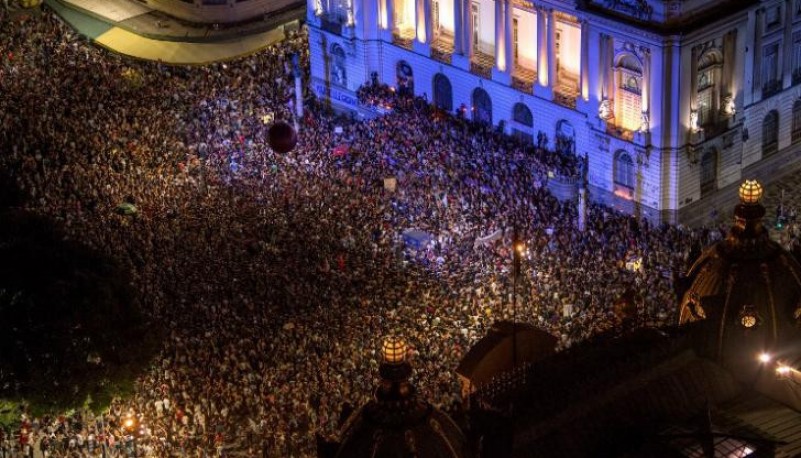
482 106
522 114
709 171
515 38
709 67
796 135
624 171
443 93
705 97
797 57
628 105
770 133
474 13
770 70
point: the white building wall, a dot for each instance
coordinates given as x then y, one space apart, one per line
667 155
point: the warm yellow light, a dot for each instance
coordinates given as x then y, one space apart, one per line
520 247
748 321
129 423
764 358
393 350
783 370
750 192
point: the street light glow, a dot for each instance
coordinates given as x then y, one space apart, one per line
764 357
783 370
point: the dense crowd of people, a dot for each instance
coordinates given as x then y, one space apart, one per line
277 275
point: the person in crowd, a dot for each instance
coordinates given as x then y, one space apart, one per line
276 275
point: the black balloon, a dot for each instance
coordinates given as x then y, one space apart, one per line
282 137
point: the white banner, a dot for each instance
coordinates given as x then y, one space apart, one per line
480 241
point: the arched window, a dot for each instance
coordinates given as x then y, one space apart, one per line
796 121
770 133
339 74
565 137
628 102
482 106
624 171
405 78
709 66
443 94
522 115
709 171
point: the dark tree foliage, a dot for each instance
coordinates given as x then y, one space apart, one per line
70 326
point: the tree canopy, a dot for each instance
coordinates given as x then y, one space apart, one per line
71 326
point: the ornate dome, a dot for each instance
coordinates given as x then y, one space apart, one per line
397 423
745 292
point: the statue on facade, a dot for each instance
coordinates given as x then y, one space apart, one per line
645 124
605 109
694 127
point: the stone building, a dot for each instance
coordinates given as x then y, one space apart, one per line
671 100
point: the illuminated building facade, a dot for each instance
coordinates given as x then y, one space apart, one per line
671 100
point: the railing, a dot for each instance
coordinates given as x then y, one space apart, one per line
441 55
620 132
484 71
564 99
522 85
403 42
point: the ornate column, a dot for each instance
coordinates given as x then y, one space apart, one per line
468 28
727 91
787 61
760 18
584 77
499 51
609 68
509 45
605 78
749 60
602 65
642 136
463 36
458 26
422 14
694 90
542 53
552 76
389 11
429 22
420 20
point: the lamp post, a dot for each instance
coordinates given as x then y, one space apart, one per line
517 249
130 424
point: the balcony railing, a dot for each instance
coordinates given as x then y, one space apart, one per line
481 65
402 41
523 79
565 99
442 48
